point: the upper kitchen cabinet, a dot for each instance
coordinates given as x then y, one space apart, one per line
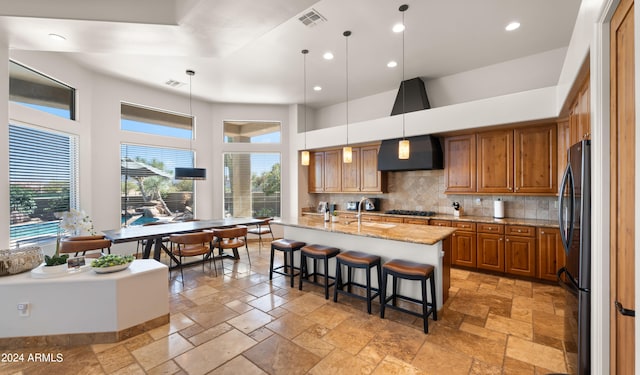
579 115
460 164
535 160
328 174
325 171
505 161
495 162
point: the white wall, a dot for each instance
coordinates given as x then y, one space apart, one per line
4 145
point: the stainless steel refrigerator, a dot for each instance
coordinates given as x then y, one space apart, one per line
575 230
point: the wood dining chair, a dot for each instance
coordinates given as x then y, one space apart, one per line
231 238
191 245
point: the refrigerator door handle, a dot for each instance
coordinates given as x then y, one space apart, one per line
625 312
561 197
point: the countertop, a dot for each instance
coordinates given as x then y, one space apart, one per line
415 233
464 218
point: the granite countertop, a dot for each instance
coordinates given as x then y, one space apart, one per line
416 233
464 218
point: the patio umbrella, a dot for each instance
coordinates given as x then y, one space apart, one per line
130 168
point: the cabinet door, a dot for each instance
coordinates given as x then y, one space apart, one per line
535 158
490 254
460 163
584 117
316 172
563 146
463 249
371 179
520 256
351 172
495 161
332 171
551 256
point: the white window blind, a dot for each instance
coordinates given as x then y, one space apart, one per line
252 184
43 170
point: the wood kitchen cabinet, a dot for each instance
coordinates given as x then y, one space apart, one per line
564 142
580 114
535 160
520 250
325 171
371 179
490 247
494 168
463 244
550 254
460 164
328 174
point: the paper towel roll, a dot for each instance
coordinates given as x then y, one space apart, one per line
498 209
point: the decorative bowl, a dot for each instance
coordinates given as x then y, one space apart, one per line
20 260
110 269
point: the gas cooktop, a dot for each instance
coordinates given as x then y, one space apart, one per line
410 213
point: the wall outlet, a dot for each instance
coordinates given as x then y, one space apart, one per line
478 202
24 309
555 204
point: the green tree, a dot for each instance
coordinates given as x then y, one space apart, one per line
21 200
268 182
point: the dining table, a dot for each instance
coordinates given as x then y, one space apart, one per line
153 235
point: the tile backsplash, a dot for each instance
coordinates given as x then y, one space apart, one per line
424 191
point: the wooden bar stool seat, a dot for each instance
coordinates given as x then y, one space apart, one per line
288 247
317 252
404 269
357 260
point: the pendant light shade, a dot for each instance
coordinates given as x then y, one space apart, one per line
403 145
347 152
304 156
192 173
404 149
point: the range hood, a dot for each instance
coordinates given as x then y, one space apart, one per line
426 153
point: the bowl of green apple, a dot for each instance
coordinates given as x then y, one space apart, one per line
111 263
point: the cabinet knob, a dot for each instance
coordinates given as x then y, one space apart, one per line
542 232
454 235
500 239
519 230
489 228
507 240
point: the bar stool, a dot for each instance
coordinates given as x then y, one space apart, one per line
288 247
408 270
317 252
356 259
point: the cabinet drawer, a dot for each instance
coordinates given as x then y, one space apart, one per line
468 226
490 228
416 221
440 223
521 230
372 218
392 219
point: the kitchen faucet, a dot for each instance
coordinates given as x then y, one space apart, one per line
359 215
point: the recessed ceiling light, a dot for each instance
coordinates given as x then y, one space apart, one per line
317 88
392 64
512 26
398 28
56 37
328 56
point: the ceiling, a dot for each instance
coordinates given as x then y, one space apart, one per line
248 51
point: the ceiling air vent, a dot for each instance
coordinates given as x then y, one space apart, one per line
312 18
174 83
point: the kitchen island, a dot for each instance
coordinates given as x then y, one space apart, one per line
418 243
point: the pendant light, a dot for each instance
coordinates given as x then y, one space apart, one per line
190 173
347 153
403 146
304 156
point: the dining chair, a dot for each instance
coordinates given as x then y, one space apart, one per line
231 238
82 244
263 227
191 245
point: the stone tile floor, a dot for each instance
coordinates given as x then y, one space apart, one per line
241 323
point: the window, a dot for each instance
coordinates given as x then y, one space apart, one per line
32 89
149 192
252 184
153 121
42 181
251 132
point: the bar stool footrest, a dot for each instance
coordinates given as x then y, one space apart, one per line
414 313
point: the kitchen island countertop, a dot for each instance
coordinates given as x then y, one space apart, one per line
415 233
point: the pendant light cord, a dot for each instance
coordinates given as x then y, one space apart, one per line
347 34
191 73
304 94
403 83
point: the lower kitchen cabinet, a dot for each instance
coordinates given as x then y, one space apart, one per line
520 251
463 246
551 256
490 252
